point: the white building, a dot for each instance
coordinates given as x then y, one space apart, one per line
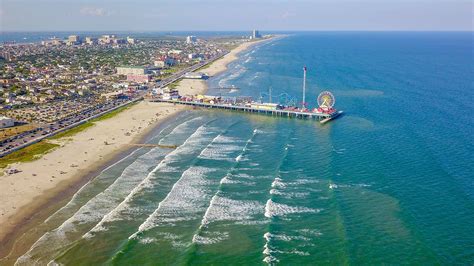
91 41
6 122
130 40
170 94
73 40
131 70
159 63
191 39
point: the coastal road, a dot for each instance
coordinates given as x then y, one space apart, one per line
46 130
178 75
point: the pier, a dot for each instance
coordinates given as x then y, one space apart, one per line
322 117
323 113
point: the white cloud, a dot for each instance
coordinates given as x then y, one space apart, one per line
94 11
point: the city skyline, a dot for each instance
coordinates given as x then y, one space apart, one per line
190 15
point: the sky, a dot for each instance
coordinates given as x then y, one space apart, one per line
235 15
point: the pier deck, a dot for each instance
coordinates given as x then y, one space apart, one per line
322 117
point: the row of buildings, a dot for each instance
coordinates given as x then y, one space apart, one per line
41 83
78 40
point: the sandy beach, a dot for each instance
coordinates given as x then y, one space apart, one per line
25 193
40 180
197 86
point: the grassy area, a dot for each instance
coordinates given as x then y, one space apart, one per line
27 154
203 67
36 150
174 84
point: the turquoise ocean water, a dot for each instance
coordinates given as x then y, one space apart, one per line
390 182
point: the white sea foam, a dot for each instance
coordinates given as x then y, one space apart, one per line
132 180
210 238
176 241
275 192
221 149
278 183
273 209
92 211
301 253
238 158
229 180
286 238
303 181
238 71
270 260
184 198
289 195
168 168
182 128
124 206
225 209
252 222
310 232
147 240
267 251
244 176
79 192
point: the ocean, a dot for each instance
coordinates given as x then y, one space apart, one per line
390 182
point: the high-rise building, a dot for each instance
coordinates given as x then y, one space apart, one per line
73 39
91 41
130 40
191 39
255 34
107 39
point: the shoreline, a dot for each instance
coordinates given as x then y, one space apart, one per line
191 86
36 206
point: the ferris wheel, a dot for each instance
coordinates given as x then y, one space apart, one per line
326 100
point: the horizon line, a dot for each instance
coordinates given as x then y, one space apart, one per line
249 30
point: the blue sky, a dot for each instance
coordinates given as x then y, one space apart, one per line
167 15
